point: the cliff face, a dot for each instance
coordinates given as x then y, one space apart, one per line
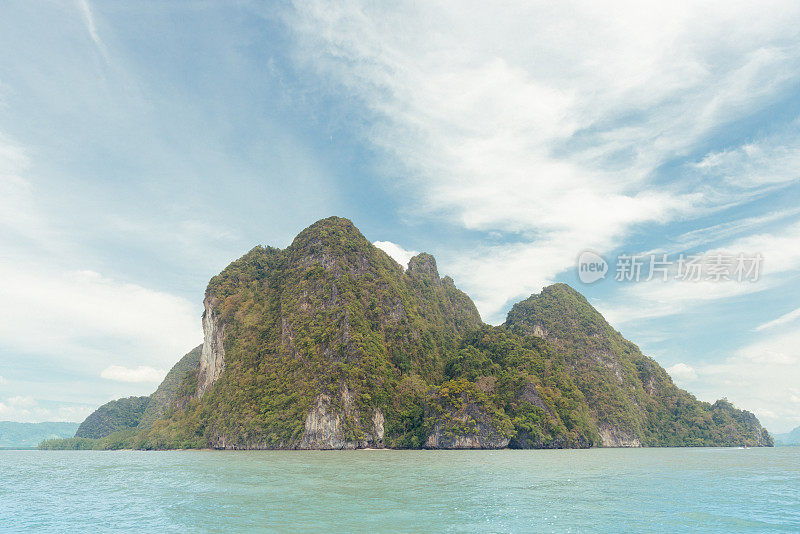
325 425
330 344
212 358
461 416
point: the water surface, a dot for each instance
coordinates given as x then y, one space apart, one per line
597 490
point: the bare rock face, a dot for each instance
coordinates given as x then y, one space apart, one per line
468 429
212 359
615 437
327 423
423 265
460 417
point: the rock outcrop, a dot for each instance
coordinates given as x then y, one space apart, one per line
614 437
212 359
326 425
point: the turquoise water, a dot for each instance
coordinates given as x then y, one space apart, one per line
599 490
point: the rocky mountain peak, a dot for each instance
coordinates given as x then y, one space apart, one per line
330 230
423 265
331 241
557 308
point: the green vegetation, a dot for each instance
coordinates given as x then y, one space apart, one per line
333 315
121 439
138 412
161 400
113 416
626 391
68 444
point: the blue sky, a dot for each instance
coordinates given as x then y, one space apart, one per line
144 146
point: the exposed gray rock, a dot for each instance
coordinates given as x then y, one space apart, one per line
325 425
212 359
615 437
448 432
423 265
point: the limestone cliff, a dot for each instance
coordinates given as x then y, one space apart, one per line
460 415
326 421
212 358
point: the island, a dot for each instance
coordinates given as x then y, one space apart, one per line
331 344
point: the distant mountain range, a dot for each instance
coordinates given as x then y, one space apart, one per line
790 438
331 344
27 435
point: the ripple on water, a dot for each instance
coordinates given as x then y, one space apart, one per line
598 490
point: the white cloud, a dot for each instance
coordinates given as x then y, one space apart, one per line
644 300
89 319
27 409
762 376
725 231
142 373
397 253
19 219
3 380
516 120
58 311
782 320
20 402
682 372
771 160
91 27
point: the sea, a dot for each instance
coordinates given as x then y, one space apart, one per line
597 490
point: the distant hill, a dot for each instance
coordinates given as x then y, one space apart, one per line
139 412
631 398
116 415
27 435
790 438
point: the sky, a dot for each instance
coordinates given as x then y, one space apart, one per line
144 146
